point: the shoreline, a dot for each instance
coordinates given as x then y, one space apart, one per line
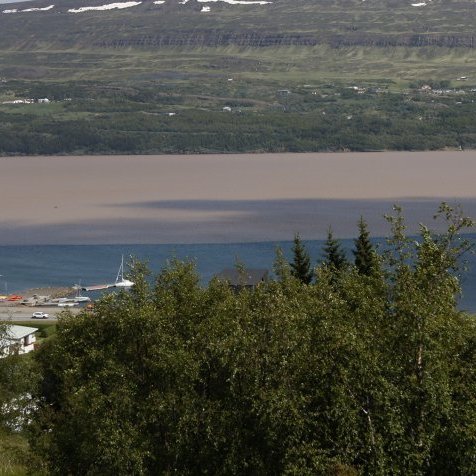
34 267
16 310
256 153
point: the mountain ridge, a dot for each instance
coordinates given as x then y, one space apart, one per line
281 23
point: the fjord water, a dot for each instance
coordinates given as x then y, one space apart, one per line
248 202
24 267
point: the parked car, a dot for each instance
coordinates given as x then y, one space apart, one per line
40 315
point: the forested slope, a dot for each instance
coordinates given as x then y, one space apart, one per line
295 75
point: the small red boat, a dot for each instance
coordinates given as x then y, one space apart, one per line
14 297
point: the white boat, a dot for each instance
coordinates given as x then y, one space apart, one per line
97 287
120 281
79 298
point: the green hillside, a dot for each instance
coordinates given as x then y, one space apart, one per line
299 38
262 63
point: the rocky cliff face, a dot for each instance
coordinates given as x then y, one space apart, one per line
258 39
337 23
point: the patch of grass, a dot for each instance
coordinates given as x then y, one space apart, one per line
33 109
303 64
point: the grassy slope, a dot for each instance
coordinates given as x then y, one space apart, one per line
63 45
283 64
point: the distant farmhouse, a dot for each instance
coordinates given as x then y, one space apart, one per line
17 340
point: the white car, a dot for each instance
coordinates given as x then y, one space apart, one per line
40 315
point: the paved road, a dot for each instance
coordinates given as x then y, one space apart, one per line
21 313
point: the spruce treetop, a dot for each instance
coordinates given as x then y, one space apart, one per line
334 255
301 264
364 253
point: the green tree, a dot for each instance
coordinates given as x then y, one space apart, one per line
334 255
18 378
424 289
360 375
364 253
281 267
301 264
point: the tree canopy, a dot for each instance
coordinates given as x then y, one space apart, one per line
373 374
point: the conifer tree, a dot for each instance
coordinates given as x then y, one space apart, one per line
301 265
364 253
334 255
281 267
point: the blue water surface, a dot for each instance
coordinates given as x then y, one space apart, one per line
24 267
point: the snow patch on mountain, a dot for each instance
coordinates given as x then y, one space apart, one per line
237 2
15 10
109 6
122 5
44 9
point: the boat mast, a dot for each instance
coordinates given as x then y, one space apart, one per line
120 273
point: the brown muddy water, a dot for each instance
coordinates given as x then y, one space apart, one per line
224 198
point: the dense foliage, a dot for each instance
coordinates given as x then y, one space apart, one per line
18 377
353 374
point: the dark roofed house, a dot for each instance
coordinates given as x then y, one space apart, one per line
246 278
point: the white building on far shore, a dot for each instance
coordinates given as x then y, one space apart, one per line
17 340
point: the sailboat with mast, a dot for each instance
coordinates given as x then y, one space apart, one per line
121 282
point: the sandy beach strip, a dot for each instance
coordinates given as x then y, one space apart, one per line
220 198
